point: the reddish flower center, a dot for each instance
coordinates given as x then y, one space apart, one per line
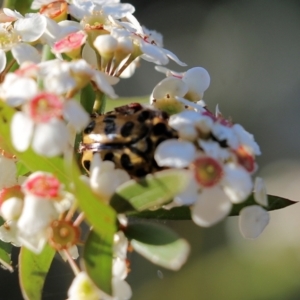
245 158
208 172
43 185
44 107
54 9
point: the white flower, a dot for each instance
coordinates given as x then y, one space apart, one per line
104 178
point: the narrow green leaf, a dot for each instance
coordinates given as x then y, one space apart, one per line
33 269
5 255
87 98
275 202
184 213
150 192
97 260
99 214
21 169
161 245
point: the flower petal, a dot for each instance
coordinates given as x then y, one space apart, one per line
24 52
2 60
21 131
260 192
50 139
237 183
174 153
211 207
253 220
170 86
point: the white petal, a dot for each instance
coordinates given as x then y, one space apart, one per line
174 153
17 90
260 192
11 208
50 139
212 206
153 54
198 81
12 13
2 60
253 220
103 84
170 86
31 28
172 56
189 196
21 131
121 289
37 214
118 10
76 115
9 233
8 174
189 117
237 183
24 52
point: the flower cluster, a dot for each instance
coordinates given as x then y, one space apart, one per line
58 68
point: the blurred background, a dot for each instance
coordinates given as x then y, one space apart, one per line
252 51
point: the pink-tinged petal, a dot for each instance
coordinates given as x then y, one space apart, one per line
170 86
211 207
174 153
23 52
2 60
173 57
31 29
50 139
237 183
21 131
76 115
260 192
253 220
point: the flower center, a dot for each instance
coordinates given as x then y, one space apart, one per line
208 172
8 38
55 10
43 185
63 234
44 107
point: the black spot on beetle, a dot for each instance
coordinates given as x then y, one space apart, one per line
90 127
126 162
127 129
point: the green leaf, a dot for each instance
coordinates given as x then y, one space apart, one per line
184 212
97 260
5 254
20 6
21 169
159 244
275 202
87 98
151 191
33 269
